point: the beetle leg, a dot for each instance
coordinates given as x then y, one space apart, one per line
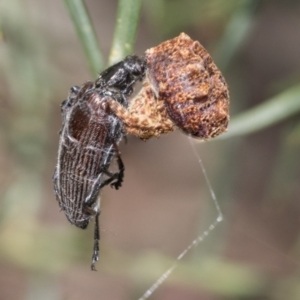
54 180
118 176
129 89
66 104
118 97
95 256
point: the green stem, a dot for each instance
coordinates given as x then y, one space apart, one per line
235 33
125 31
266 114
86 34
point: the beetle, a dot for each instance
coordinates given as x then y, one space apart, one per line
89 141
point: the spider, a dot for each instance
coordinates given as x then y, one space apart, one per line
183 88
89 141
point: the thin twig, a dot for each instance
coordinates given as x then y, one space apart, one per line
125 31
236 31
278 108
86 34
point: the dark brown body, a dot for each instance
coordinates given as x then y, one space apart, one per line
89 141
87 145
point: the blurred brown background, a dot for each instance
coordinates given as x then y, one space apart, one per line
165 202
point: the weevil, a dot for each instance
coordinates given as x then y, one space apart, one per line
89 141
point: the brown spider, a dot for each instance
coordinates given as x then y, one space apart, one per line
183 88
146 115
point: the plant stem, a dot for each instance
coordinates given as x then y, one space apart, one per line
276 109
235 33
125 31
86 34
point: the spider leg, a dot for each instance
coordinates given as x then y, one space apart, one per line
145 118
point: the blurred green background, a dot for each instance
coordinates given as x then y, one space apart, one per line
165 202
